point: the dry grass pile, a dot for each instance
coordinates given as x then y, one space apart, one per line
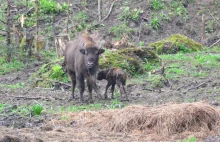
166 119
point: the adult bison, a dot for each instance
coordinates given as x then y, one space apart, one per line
81 61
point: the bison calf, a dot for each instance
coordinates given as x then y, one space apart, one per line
114 76
81 61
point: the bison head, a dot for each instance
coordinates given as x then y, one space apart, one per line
91 57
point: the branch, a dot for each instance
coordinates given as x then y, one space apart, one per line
214 43
2 21
110 10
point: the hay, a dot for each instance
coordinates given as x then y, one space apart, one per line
165 120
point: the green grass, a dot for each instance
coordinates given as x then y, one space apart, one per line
15 86
37 109
7 67
201 64
190 139
2 107
83 107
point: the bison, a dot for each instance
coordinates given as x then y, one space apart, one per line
81 61
114 76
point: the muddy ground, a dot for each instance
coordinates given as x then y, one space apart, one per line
29 128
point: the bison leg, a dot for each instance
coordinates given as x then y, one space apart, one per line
95 87
106 89
97 91
72 76
125 93
89 84
113 90
81 86
120 89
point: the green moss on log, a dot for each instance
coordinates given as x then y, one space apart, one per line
129 59
176 43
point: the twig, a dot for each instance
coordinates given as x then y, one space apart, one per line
179 88
214 43
99 10
139 32
63 83
198 85
110 10
2 21
53 123
154 90
23 97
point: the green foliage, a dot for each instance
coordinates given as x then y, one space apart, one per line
37 109
140 43
7 67
181 10
128 14
57 73
50 6
156 4
191 139
157 81
119 30
22 110
2 107
16 86
115 104
84 107
81 18
155 23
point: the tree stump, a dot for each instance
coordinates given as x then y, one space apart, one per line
60 44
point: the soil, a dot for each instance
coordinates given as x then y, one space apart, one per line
17 127
29 128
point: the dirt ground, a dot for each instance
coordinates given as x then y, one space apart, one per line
50 126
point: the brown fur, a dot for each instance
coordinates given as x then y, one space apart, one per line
114 76
81 61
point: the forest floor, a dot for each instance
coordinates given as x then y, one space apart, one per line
195 83
191 77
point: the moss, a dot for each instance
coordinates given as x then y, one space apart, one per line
176 43
127 63
129 59
140 53
49 73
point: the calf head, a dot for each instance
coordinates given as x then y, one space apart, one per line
91 57
100 75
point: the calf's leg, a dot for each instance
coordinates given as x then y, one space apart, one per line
126 94
113 89
95 87
106 89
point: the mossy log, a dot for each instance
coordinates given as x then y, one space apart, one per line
129 59
176 43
